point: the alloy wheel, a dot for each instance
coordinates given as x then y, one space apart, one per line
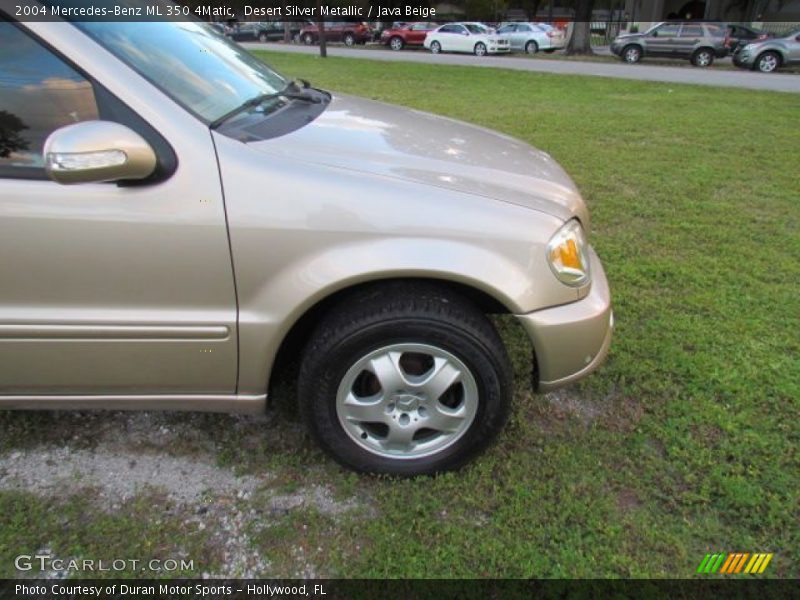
632 55
407 400
767 63
703 59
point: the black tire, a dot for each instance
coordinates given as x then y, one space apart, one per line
703 57
480 49
262 37
550 50
436 47
531 47
396 43
399 313
631 54
349 39
767 62
308 39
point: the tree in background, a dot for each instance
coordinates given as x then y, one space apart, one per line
580 40
485 10
531 7
323 43
10 139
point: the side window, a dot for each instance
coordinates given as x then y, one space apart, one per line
507 29
449 29
667 31
691 31
38 94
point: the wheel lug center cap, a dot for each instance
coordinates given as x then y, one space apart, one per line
406 402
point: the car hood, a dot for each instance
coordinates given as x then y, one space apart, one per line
399 143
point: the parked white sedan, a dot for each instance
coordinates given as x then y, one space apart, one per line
466 37
532 37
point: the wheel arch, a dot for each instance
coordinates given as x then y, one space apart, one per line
776 51
281 370
638 45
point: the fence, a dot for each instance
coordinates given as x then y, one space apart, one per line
603 32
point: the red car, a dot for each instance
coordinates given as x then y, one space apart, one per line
408 34
337 31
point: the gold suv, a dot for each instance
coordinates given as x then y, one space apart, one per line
176 219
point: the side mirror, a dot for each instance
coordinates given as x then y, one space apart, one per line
97 151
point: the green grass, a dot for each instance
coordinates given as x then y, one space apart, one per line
684 443
133 535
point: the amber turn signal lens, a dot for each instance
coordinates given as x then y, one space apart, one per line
567 253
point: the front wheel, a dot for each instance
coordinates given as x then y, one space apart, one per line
703 57
632 54
262 37
436 47
396 43
308 39
405 379
480 49
531 47
768 62
349 39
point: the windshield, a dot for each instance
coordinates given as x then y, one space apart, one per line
475 28
189 61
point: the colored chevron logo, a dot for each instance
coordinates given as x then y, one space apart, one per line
735 563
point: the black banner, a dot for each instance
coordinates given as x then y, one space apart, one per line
351 10
689 589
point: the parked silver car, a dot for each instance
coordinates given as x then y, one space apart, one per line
178 222
701 43
770 54
532 37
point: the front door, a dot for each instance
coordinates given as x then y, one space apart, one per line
104 289
661 41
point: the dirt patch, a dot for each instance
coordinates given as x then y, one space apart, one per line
118 476
563 408
175 461
318 497
627 500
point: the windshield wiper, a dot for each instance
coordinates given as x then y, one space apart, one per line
291 91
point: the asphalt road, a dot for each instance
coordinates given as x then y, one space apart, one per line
778 82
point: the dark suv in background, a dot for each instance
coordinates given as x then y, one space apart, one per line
338 31
699 42
260 31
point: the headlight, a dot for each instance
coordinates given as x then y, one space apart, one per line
568 256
